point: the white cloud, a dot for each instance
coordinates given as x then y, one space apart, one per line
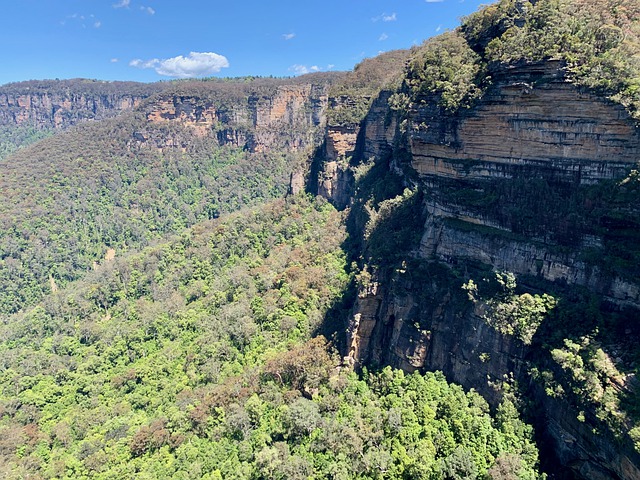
439 28
122 4
148 10
114 60
288 36
434 1
196 64
385 17
383 37
138 63
302 69
83 21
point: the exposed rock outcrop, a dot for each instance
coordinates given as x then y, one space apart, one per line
58 104
530 119
506 186
288 117
393 324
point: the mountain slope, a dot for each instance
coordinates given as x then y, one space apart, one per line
493 212
491 199
34 109
193 359
190 154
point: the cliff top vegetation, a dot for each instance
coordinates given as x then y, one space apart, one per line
81 86
598 42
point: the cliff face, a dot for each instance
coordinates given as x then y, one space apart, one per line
533 119
287 118
532 126
513 184
58 104
351 142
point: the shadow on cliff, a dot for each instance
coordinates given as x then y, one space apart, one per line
384 223
594 323
581 372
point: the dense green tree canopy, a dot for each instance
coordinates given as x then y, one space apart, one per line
193 359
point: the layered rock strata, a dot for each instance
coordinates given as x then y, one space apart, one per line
58 104
480 170
289 118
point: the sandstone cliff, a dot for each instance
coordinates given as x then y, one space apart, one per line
58 104
257 118
517 183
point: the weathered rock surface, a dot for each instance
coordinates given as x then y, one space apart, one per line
288 118
58 104
531 119
372 138
530 126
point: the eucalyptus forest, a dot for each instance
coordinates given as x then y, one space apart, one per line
332 276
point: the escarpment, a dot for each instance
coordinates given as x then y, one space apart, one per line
536 179
493 221
524 163
283 116
191 152
58 104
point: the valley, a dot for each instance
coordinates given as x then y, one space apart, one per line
427 267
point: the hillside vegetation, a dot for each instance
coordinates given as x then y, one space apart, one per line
14 137
193 359
161 300
598 40
80 87
354 93
69 199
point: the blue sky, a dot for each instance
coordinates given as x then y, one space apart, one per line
149 40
